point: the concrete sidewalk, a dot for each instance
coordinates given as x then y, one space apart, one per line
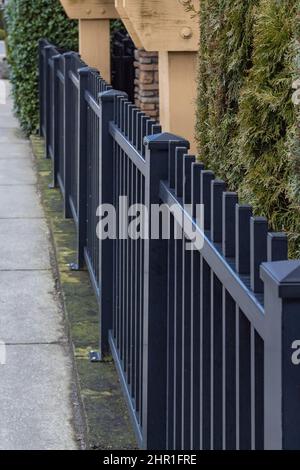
36 383
2 49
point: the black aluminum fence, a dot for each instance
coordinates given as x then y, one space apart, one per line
207 341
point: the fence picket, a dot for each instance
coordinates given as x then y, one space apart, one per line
179 153
188 160
218 187
206 179
242 238
228 238
258 250
197 168
277 246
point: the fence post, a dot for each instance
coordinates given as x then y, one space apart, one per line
155 302
282 355
68 136
106 101
41 85
47 104
83 74
55 119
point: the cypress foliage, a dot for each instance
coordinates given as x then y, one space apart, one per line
247 123
226 28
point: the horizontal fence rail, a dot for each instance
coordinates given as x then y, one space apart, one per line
206 341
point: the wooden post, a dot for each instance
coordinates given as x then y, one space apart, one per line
94 31
178 91
94 45
165 26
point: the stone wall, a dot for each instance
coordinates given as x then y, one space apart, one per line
146 82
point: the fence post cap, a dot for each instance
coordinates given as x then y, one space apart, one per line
163 140
283 275
109 95
56 57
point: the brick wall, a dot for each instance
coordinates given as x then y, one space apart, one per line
146 82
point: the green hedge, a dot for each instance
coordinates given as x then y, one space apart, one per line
247 123
27 21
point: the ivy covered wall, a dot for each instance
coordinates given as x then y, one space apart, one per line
27 21
246 120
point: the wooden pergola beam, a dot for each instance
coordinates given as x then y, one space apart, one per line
90 9
161 25
165 26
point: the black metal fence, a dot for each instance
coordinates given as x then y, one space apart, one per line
206 342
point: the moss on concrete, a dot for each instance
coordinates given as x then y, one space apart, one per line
107 420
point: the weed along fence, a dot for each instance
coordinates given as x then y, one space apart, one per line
207 341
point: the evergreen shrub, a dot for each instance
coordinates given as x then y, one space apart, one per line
247 122
26 22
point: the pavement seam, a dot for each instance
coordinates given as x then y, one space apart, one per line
22 218
38 343
18 184
25 270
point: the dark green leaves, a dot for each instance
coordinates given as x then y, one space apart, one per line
248 126
27 21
